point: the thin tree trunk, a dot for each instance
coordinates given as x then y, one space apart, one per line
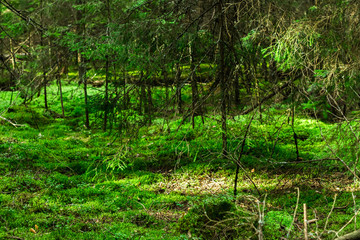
125 94
293 128
83 80
107 69
45 89
44 59
142 106
106 105
87 121
149 102
237 86
13 61
81 62
194 87
165 79
222 80
61 95
178 88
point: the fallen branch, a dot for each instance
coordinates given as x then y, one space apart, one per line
350 236
307 161
13 237
14 124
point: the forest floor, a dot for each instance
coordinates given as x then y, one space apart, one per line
59 180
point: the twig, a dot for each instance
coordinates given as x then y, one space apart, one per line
317 225
353 197
349 236
332 209
13 237
307 161
334 153
261 217
294 215
305 223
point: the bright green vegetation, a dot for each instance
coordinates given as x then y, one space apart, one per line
75 183
158 119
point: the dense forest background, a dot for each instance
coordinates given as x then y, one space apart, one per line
159 119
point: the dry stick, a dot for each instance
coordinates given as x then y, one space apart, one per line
317 225
14 124
305 223
294 215
13 237
353 197
327 219
351 236
261 218
238 163
307 161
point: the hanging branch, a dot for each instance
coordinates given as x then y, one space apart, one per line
334 153
275 91
22 16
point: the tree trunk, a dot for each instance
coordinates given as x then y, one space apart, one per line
236 86
142 105
149 102
81 62
165 79
61 94
178 88
44 59
223 86
106 104
45 90
83 80
194 88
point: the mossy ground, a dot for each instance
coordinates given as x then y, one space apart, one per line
75 183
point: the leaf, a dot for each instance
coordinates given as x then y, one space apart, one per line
32 230
36 227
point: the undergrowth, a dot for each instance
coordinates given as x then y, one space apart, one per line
168 182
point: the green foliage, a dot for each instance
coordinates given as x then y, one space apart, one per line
277 224
74 182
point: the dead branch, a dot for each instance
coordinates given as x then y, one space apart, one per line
14 124
350 236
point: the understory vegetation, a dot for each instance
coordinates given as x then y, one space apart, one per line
169 183
179 119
